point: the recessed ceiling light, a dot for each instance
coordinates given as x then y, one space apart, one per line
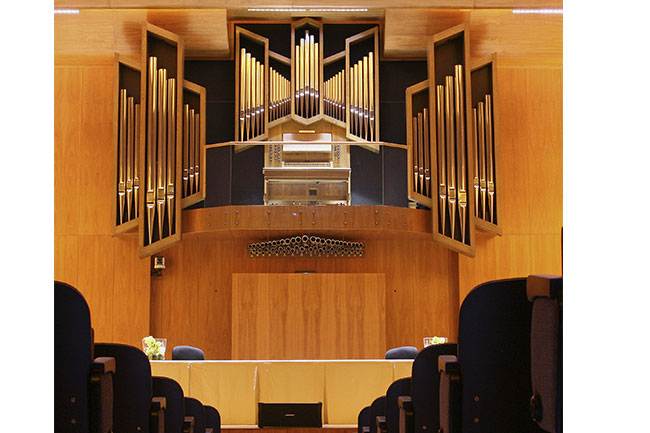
338 10
537 11
66 11
276 10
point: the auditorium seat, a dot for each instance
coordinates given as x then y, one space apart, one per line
404 352
212 419
377 409
187 353
83 385
175 402
363 420
545 292
487 386
425 386
134 406
194 408
401 387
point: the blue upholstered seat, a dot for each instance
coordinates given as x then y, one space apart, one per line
487 387
83 385
212 419
187 353
404 352
396 389
175 410
194 408
363 420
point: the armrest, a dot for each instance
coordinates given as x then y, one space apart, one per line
365 429
157 415
209 430
382 427
102 365
188 424
450 394
549 286
405 404
100 395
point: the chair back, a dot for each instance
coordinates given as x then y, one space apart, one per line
212 419
494 354
404 352
377 408
175 409
545 293
363 419
72 359
187 353
132 388
194 408
425 387
399 387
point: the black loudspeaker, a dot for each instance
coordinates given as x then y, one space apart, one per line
290 415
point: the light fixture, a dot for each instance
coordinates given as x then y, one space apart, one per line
338 10
66 11
537 11
276 10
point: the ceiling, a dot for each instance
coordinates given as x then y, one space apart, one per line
102 28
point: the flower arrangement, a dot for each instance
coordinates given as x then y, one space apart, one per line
428 341
154 348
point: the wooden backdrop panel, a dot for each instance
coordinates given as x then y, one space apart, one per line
308 316
67 139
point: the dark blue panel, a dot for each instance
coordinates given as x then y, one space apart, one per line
217 176
395 184
392 122
366 176
220 122
395 77
217 76
247 177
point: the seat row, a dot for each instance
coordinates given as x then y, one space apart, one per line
503 375
102 388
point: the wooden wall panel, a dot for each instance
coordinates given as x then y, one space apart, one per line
66 253
545 254
96 183
512 256
131 292
67 139
308 316
513 142
544 111
95 282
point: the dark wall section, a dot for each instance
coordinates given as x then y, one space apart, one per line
394 181
247 177
217 178
365 179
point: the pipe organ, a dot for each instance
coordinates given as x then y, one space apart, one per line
451 128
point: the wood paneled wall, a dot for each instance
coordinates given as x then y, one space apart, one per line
531 168
308 316
105 269
192 302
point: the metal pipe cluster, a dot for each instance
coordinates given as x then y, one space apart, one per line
307 73
362 98
450 126
301 246
279 95
251 97
334 97
161 151
128 156
191 150
482 140
421 159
